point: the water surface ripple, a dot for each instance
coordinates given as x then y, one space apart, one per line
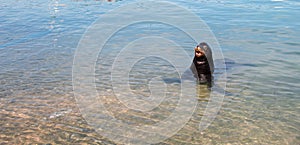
259 39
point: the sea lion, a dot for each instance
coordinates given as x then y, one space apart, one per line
203 66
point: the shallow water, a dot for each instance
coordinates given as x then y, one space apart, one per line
259 40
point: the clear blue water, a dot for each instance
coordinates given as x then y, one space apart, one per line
260 39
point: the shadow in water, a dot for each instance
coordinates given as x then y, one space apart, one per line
220 69
203 92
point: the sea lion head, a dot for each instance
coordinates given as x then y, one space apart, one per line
199 51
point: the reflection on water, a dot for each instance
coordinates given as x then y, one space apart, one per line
259 40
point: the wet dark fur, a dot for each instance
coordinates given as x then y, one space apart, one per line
203 67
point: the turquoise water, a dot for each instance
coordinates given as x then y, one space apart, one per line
259 40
